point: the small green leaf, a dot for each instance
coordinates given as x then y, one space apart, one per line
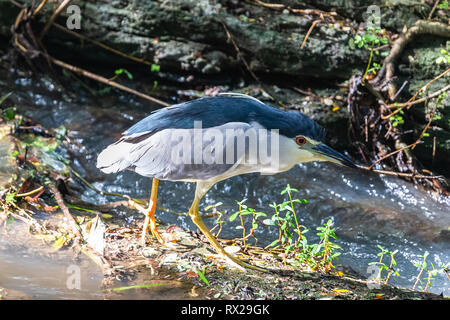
155 68
121 71
4 97
234 216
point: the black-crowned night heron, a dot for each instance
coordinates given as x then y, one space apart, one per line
211 139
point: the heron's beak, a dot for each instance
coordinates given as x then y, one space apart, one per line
329 154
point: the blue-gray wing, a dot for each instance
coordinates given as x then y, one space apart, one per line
179 154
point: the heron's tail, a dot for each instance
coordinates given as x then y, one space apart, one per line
115 157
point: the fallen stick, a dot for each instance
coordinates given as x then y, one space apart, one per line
59 199
104 80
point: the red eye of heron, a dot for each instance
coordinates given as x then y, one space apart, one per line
300 140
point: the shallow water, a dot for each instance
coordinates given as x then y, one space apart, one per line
367 209
29 267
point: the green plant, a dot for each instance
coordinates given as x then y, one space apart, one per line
382 266
290 206
326 249
444 58
202 275
430 273
292 241
240 213
444 5
288 224
8 113
10 197
243 211
287 227
392 264
123 71
397 118
375 67
370 40
155 68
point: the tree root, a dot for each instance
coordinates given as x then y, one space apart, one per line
371 105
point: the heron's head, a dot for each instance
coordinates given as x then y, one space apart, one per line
312 150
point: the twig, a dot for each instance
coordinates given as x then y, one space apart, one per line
309 32
61 7
75 227
39 7
400 90
104 46
275 6
29 193
434 150
436 2
418 279
428 83
401 174
427 125
90 186
306 93
391 154
16 4
104 80
239 52
400 106
279 6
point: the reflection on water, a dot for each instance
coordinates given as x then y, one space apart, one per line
367 209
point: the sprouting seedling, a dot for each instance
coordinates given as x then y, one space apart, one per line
276 220
290 206
431 274
155 67
326 232
380 263
241 213
288 224
120 71
422 266
256 215
371 40
202 275
392 264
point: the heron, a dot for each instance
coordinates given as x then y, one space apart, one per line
211 139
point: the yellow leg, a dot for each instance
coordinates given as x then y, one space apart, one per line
150 215
197 219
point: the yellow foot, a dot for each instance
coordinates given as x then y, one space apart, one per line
148 222
155 233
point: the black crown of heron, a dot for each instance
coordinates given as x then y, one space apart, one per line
212 139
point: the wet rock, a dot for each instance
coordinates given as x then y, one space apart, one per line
8 165
151 30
